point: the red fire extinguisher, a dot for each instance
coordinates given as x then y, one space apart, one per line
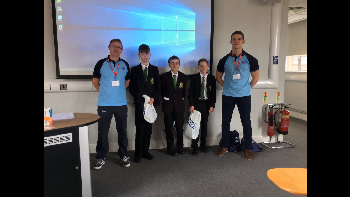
284 121
271 122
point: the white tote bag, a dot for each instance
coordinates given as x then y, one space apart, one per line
192 125
149 112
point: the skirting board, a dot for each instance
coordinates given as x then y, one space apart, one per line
160 144
298 115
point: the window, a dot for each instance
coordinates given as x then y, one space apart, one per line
296 63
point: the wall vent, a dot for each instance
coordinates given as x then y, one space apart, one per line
57 139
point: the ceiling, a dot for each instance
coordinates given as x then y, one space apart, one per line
297 11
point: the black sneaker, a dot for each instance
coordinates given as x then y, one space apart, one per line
125 161
99 164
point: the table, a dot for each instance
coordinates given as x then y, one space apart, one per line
293 180
66 156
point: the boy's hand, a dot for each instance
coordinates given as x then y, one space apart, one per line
192 109
151 101
211 109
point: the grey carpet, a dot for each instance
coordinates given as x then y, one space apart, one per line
204 175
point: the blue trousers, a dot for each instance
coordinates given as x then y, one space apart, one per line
244 109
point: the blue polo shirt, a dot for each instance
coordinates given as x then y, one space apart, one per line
237 87
108 95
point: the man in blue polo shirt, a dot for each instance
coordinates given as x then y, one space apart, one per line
111 77
237 65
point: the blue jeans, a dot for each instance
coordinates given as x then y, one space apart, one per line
244 109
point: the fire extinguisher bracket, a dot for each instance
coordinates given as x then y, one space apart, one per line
269 116
278 144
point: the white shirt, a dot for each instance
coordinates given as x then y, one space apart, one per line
172 75
143 67
205 85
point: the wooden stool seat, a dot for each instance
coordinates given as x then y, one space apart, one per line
293 180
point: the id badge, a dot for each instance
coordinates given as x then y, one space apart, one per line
115 83
236 76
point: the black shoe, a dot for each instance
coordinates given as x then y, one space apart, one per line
195 152
147 156
204 149
171 151
137 158
180 151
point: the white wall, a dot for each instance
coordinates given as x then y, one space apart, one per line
296 94
296 82
252 17
297 38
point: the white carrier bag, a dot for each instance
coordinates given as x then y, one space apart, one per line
149 112
191 127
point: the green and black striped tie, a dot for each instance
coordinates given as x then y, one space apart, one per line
202 89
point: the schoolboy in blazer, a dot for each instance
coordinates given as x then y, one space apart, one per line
204 105
173 94
144 79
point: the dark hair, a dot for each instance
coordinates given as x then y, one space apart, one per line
144 48
115 40
172 58
202 60
237 32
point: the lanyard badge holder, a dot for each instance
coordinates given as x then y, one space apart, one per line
237 74
115 82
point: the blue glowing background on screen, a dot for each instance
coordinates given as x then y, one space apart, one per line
169 27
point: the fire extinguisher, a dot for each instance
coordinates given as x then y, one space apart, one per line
271 121
284 121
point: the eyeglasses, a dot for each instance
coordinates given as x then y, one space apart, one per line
118 47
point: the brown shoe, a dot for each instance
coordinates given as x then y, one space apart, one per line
249 155
222 151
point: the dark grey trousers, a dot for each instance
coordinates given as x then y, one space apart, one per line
106 113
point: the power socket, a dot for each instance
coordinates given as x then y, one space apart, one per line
47 87
63 86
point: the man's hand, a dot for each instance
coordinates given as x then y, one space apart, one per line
127 83
219 78
255 78
96 83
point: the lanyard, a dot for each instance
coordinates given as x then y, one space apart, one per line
235 61
115 73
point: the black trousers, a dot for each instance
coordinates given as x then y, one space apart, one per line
106 113
143 133
169 119
203 108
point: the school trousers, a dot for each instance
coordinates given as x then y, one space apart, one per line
204 110
143 133
169 119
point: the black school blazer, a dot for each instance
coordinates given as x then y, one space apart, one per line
139 87
170 97
195 90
